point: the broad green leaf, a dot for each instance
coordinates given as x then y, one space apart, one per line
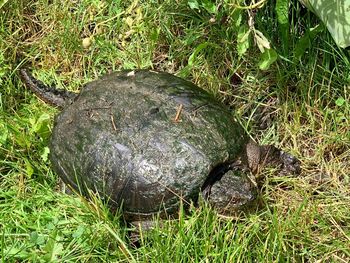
33 237
79 232
267 58
41 126
236 17
29 168
45 153
305 42
243 39
282 10
3 134
22 139
4 68
155 34
306 4
340 101
36 239
193 4
3 2
209 6
53 247
194 55
192 36
13 251
335 15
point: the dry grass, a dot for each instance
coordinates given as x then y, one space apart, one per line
295 105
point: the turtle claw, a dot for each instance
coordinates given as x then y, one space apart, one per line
290 164
233 192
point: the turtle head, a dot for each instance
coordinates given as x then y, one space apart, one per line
268 155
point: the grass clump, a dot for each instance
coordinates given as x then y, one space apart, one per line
301 103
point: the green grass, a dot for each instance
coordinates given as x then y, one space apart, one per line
300 105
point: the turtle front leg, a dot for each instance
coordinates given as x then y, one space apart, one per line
232 193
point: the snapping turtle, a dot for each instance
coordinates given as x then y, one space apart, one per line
145 139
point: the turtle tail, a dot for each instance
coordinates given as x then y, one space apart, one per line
50 95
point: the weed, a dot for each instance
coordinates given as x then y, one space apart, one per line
300 102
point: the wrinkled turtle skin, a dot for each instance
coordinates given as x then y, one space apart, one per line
145 139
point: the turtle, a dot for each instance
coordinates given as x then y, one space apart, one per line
148 141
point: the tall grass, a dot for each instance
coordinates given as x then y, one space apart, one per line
301 103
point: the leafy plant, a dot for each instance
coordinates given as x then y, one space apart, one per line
301 102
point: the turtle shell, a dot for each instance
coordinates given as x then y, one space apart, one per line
143 139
